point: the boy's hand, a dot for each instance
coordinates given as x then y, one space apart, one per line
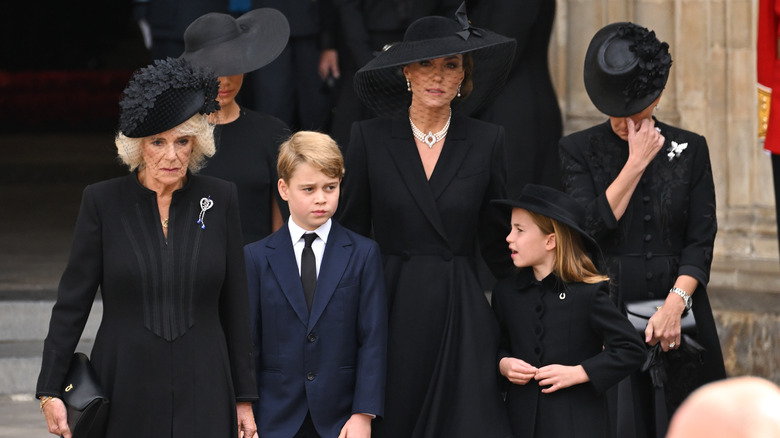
358 426
556 377
517 371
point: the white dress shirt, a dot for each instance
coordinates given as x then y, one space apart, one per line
318 246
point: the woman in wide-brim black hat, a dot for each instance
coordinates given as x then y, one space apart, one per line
420 181
561 335
650 201
247 141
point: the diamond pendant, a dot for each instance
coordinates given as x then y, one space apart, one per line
430 140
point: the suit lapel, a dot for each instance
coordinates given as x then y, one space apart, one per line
407 160
335 258
456 146
281 258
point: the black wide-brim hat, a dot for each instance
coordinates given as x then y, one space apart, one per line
557 205
626 69
164 95
230 46
381 84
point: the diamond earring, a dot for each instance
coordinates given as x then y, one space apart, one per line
458 90
408 85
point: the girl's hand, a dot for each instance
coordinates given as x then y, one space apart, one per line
556 377
517 371
57 417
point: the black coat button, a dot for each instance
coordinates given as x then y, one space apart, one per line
649 275
312 337
648 237
310 376
649 255
646 198
648 217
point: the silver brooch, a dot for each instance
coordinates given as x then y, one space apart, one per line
675 150
205 204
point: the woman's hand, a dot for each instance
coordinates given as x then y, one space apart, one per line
517 371
57 417
555 377
644 141
246 420
664 325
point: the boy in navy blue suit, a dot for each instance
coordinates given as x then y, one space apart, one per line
318 304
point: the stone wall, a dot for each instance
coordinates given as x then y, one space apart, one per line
712 91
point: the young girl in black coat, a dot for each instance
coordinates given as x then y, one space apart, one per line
563 341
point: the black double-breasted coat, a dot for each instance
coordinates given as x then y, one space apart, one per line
550 322
442 335
174 350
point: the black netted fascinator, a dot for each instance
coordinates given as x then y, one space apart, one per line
626 69
165 94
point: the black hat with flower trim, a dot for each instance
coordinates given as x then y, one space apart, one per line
381 84
164 95
626 69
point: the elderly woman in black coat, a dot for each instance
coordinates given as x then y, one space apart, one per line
174 351
650 201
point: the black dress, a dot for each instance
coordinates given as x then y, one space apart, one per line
527 107
548 322
174 348
246 155
668 228
441 378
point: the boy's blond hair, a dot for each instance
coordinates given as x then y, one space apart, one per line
315 148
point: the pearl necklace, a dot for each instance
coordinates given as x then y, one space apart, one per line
430 139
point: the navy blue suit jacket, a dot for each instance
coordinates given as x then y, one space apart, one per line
330 361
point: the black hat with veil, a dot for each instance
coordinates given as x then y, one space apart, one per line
381 84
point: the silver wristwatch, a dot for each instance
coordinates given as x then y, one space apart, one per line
687 298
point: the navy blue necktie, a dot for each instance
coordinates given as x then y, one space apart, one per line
308 269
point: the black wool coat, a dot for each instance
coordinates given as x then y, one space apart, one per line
549 322
174 349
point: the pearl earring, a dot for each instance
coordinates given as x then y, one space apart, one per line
459 90
408 85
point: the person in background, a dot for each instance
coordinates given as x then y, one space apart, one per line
318 307
563 341
295 87
173 352
737 407
649 198
420 182
247 141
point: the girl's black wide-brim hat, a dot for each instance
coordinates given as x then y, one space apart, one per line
557 205
230 46
381 84
626 69
164 95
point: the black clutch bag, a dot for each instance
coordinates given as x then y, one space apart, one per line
639 312
84 399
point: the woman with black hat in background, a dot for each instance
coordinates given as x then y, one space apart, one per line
420 181
247 141
650 202
174 351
